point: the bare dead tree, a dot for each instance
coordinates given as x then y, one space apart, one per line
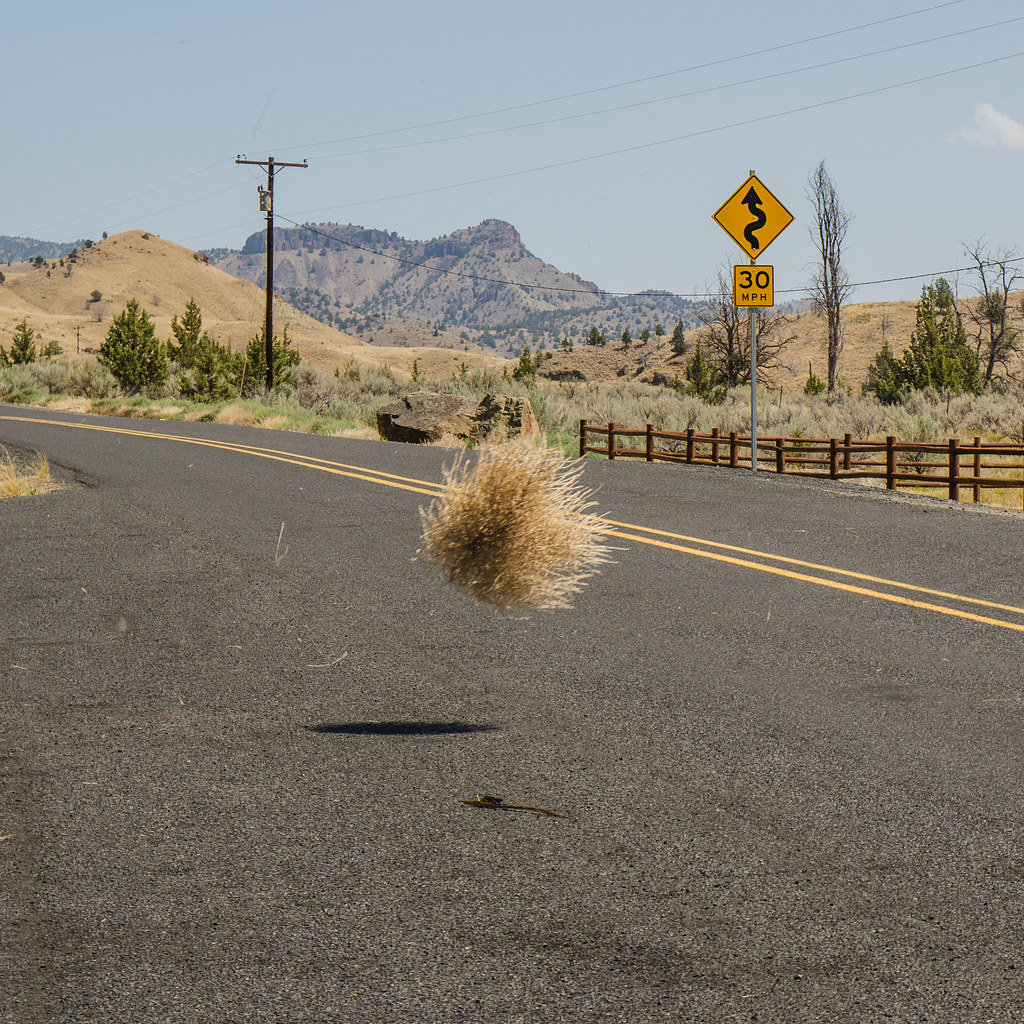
831 284
996 334
727 338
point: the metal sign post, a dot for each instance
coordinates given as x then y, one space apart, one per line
753 386
753 218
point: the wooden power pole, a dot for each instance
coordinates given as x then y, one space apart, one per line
267 204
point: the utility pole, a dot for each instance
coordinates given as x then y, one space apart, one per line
267 204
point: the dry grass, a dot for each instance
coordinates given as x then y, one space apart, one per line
513 528
73 403
273 422
360 433
18 478
235 416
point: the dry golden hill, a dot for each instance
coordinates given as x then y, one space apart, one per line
57 299
866 327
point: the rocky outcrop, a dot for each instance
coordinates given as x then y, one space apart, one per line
425 417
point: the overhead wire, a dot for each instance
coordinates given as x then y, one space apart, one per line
746 122
132 198
520 106
635 81
619 151
667 99
595 291
186 202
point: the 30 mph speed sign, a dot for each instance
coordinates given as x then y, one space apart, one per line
753 286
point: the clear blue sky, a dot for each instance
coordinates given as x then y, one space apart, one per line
120 115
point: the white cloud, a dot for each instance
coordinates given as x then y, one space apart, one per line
990 128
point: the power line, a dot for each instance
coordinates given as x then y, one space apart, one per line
138 195
187 202
521 106
920 277
652 294
664 142
635 81
667 99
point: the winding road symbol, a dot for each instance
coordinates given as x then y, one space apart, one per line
752 201
753 217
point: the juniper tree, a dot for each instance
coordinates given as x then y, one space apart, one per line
189 336
702 378
679 345
253 372
885 377
23 347
207 368
939 356
132 353
526 368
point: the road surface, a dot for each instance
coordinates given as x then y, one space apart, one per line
237 719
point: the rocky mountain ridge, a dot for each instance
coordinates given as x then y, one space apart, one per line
16 249
480 284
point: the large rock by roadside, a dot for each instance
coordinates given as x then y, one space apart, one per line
426 417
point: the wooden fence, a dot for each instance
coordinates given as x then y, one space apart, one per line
949 466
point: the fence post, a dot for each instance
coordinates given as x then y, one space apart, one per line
847 451
650 443
714 446
583 438
780 455
890 464
977 470
732 449
833 457
954 469
689 445
611 440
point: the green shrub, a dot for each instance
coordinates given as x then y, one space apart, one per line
23 347
132 353
91 380
814 386
252 372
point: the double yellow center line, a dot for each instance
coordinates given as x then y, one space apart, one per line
744 558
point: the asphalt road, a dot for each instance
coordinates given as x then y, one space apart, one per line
231 757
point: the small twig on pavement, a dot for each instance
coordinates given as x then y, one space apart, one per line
330 664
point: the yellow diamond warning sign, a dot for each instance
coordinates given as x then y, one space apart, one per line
753 286
753 217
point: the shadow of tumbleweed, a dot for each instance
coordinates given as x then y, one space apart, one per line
398 728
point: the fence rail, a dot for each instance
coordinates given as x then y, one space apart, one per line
950 466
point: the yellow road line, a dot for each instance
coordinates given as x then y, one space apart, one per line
821 568
436 490
833 584
309 462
